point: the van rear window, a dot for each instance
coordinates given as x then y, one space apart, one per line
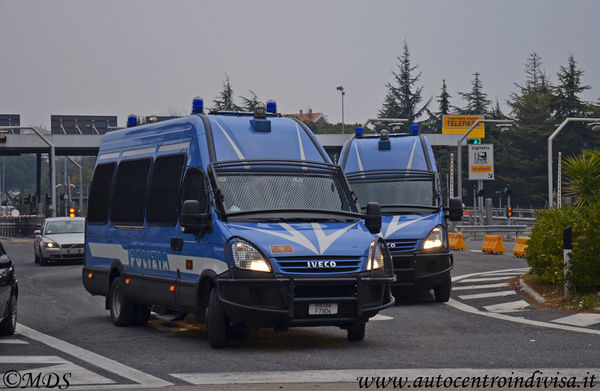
100 190
128 200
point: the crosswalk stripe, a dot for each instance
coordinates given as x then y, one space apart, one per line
381 317
13 341
487 295
485 279
514 306
469 287
583 320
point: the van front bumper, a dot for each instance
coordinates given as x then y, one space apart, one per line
283 301
421 270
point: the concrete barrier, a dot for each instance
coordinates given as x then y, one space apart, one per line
493 244
520 246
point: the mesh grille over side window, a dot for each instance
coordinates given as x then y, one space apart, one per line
128 200
163 198
100 190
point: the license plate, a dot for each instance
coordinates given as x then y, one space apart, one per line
323 309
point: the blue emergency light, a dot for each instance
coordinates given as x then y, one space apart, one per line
358 132
132 120
197 105
271 106
414 128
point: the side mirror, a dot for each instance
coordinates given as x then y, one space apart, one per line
455 210
37 232
373 219
193 219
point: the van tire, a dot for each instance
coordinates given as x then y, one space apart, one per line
8 325
218 324
356 332
142 314
443 289
122 310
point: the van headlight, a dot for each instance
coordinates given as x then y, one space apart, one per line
436 239
375 260
248 257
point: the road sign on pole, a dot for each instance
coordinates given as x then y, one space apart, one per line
481 162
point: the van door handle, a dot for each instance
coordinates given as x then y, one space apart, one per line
176 244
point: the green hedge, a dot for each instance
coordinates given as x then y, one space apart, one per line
545 247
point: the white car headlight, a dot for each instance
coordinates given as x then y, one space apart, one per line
50 244
435 239
248 257
375 260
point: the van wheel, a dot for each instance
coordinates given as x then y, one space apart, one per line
443 289
122 311
217 322
356 332
142 314
9 324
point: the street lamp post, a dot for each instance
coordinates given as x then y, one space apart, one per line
552 136
341 89
505 123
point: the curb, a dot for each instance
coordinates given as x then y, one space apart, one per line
536 296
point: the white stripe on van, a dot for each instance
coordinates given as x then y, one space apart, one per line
360 166
114 155
142 151
173 147
412 153
199 264
302 157
394 226
235 148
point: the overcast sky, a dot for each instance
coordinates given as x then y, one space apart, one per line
153 57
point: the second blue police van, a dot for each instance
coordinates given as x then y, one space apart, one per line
237 218
399 172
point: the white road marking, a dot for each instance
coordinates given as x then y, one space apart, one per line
381 317
464 276
60 366
351 375
144 379
467 308
13 341
513 306
476 251
582 320
469 287
486 279
501 274
487 295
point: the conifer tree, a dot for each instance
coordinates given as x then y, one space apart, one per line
225 99
444 100
404 95
477 101
567 101
248 104
530 105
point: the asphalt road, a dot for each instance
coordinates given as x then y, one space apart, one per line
61 324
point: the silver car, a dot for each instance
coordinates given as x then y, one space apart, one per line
60 239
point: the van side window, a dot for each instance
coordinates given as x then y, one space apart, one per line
128 200
194 187
163 198
100 190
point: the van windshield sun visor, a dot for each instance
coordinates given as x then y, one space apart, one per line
282 189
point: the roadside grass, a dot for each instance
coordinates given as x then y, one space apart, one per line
554 295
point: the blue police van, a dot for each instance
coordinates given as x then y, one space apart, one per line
239 219
399 172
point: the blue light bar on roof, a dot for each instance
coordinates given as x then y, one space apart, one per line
132 120
414 128
271 106
197 105
358 132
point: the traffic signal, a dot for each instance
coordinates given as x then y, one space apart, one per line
72 212
509 212
474 141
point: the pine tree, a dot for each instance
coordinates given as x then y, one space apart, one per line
404 96
444 100
477 101
225 99
567 102
248 104
531 104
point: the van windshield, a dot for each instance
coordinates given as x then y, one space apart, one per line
284 190
395 189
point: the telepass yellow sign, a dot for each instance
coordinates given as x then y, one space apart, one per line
459 124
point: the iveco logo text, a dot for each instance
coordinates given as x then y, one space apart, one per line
321 264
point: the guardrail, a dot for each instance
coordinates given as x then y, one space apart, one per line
22 226
488 229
